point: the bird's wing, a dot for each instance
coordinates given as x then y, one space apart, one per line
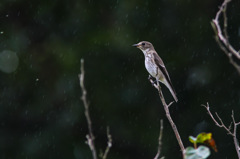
162 67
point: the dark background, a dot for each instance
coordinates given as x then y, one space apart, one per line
41 114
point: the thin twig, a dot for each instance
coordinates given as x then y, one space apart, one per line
159 140
235 140
90 137
223 40
109 144
166 108
221 124
225 25
228 130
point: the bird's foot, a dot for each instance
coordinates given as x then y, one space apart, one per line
150 77
153 81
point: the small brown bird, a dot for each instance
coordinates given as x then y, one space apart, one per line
155 65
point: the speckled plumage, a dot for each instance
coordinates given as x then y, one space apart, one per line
155 66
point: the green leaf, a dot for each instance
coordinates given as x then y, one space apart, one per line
202 152
192 139
203 137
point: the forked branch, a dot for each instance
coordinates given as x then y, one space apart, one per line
221 35
109 144
229 130
90 137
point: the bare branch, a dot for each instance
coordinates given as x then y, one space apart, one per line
90 137
159 140
235 140
109 144
225 23
222 125
166 108
170 103
221 39
209 112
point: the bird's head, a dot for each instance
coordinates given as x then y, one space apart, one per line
144 45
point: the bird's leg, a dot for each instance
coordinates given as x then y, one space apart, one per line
152 80
150 77
156 82
158 86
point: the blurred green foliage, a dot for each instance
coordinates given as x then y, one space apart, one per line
41 114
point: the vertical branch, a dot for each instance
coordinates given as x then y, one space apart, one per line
166 108
90 136
159 140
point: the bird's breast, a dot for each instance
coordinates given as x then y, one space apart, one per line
151 66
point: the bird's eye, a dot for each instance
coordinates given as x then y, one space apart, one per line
143 44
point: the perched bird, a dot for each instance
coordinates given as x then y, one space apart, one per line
155 65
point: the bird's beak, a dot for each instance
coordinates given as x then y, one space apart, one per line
135 45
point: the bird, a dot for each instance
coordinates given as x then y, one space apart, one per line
155 66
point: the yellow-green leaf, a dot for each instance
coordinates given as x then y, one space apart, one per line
192 139
203 137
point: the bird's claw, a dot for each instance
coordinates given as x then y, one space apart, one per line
149 77
153 80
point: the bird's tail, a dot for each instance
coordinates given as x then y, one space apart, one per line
173 93
171 89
